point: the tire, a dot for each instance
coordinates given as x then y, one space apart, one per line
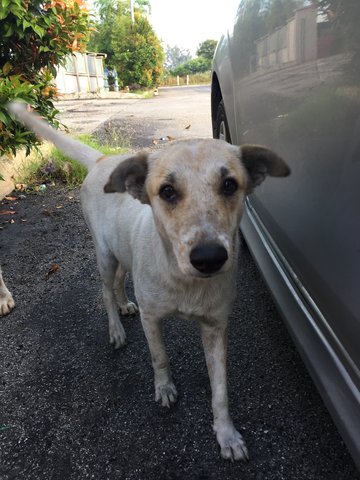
221 127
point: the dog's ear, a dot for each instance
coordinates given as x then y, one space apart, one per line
260 161
130 177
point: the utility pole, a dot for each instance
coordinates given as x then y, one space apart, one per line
132 11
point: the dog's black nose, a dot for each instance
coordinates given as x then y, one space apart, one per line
208 257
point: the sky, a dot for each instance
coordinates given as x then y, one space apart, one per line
187 23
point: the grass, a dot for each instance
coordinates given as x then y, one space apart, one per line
49 166
145 93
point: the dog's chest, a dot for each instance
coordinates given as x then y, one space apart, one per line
161 297
207 300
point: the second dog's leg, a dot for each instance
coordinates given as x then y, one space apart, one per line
165 390
107 268
214 339
6 300
126 307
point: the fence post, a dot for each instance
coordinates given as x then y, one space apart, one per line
177 80
187 79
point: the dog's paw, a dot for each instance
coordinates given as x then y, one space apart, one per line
128 309
166 394
117 334
6 303
232 444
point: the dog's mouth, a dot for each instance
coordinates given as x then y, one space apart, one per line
207 275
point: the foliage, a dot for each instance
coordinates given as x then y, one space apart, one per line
206 49
195 65
49 165
193 79
175 56
36 36
199 64
132 49
144 6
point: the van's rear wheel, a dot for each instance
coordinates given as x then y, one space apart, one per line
221 127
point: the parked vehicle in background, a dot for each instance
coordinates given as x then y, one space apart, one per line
289 78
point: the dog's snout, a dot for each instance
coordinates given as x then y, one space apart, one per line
208 257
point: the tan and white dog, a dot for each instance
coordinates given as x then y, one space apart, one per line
171 218
6 300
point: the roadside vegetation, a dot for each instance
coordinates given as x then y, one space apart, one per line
131 45
180 68
48 166
35 37
194 79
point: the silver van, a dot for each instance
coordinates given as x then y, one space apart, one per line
287 75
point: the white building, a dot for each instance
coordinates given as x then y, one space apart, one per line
82 74
295 42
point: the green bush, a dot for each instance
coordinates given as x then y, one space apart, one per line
49 165
36 36
195 65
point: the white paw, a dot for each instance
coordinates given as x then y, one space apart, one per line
6 303
117 334
129 309
232 444
166 394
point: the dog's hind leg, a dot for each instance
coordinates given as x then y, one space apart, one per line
126 307
165 390
107 267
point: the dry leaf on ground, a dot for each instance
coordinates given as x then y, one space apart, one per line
54 267
7 212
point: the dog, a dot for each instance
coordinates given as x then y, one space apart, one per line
171 218
6 299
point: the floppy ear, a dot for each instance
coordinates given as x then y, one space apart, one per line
260 161
130 177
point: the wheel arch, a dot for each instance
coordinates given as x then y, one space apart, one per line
222 89
216 97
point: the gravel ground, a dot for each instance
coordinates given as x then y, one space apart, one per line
73 408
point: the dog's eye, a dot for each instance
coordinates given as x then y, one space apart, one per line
229 187
168 193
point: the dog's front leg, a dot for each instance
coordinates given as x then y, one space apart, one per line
214 338
6 300
165 390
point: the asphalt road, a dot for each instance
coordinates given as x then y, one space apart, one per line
143 120
72 408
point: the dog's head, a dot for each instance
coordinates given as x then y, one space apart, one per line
196 190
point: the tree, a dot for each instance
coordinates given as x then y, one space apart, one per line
36 36
206 49
144 6
132 49
175 56
138 55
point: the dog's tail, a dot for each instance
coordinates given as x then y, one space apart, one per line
71 147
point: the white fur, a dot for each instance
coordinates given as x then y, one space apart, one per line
154 242
6 300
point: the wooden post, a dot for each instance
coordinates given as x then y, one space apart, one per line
177 80
187 79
